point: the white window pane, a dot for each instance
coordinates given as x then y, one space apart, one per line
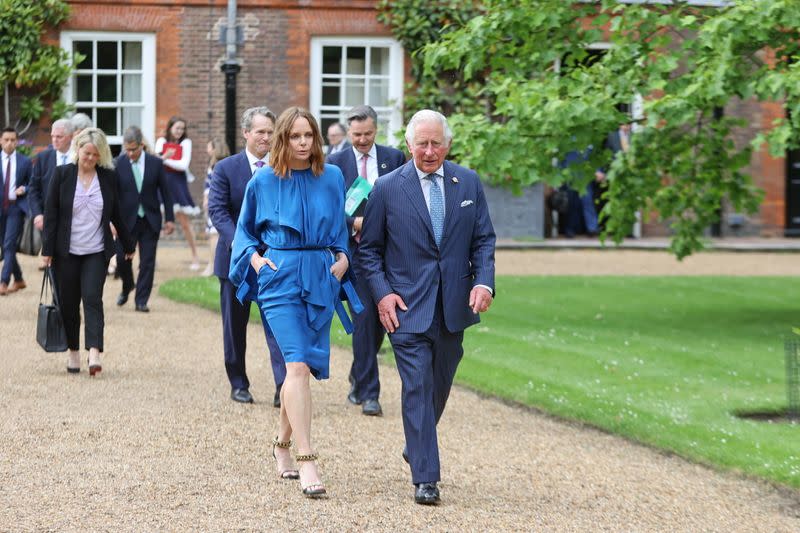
107 120
106 88
85 48
378 92
353 92
131 116
379 62
131 88
83 88
331 59
107 54
356 60
131 55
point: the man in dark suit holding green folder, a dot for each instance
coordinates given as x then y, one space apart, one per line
369 161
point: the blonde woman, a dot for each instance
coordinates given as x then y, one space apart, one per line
77 242
217 151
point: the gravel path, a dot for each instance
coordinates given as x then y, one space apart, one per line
155 443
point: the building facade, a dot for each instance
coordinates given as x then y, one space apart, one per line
147 60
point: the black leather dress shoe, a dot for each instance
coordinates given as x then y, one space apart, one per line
241 395
371 408
276 400
426 493
122 299
142 308
352 398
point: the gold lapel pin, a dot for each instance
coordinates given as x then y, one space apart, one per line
455 179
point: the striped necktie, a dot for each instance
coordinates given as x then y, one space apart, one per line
436 208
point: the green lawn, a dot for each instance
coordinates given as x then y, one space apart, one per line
662 360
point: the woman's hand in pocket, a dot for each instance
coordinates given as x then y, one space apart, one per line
257 261
339 268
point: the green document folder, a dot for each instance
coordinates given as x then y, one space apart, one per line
356 195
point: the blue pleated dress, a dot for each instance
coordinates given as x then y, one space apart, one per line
300 221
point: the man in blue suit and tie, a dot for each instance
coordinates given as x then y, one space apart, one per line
428 253
44 166
369 160
225 196
16 173
141 178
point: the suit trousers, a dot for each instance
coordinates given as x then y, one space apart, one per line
368 334
81 278
427 363
10 226
235 317
147 241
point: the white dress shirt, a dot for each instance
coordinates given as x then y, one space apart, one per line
372 164
12 186
426 185
253 160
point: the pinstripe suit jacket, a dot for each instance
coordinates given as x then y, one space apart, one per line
399 253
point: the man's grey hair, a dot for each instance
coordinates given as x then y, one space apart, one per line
249 114
340 127
80 121
133 135
428 115
360 113
63 124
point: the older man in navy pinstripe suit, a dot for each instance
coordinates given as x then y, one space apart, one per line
427 249
369 160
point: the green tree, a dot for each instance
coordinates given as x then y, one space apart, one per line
37 71
546 98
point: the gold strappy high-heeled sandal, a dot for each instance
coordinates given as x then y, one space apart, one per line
315 490
291 473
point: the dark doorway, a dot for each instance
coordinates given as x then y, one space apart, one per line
792 193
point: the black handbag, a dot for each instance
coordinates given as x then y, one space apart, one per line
30 238
50 332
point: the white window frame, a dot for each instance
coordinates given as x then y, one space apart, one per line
396 77
148 72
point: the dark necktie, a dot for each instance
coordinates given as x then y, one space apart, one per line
436 208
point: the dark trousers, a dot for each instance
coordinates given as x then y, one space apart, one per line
235 317
81 278
427 363
147 240
367 339
10 225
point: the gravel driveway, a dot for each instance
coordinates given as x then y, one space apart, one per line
155 443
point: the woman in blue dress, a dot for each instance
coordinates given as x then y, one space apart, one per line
292 222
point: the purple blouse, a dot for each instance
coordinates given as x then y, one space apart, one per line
87 213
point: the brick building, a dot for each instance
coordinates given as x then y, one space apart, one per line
147 60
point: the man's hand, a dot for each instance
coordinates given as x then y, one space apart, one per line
257 261
113 229
480 299
339 268
357 223
47 260
20 191
387 311
169 227
38 222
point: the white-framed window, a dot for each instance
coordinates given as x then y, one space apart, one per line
350 71
115 83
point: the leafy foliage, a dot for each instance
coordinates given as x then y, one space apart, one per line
40 70
542 94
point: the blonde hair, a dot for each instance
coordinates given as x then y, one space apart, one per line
220 151
96 137
281 154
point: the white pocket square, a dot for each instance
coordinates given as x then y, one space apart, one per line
465 203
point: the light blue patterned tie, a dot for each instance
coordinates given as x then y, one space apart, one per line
436 208
63 159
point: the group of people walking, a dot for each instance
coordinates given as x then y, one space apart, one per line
415 261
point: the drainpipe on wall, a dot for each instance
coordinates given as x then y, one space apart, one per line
230 67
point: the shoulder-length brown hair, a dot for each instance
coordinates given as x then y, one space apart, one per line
281 155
